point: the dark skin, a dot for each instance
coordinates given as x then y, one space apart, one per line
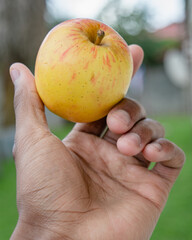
85 187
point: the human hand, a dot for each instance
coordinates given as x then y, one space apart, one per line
85 187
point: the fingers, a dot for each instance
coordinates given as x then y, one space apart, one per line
29 109
169 158
137 55
145 131
124 115
97 127
119 120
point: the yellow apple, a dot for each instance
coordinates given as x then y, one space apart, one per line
83 68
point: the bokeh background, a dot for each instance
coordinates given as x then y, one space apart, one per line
162 84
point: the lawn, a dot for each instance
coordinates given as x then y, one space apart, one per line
176 220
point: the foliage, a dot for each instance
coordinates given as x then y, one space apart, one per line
153 48
135 26
175 221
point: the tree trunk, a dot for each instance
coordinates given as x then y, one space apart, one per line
22 28
188 48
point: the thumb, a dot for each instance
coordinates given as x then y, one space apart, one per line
29 109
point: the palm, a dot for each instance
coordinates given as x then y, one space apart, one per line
111 172
92 181
107 188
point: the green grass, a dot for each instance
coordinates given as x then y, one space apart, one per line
176 220
8 211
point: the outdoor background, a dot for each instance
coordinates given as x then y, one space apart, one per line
163 83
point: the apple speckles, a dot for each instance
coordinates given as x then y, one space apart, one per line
73 35
94 51
53 66
73 76
112 56
57 49
104 60
120 72
101 90
114 81
104 27
75 30
78 23
93 79
108 61
86 66
123 45
76 38
86 22
65 53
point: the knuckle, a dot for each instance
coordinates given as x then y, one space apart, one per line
181 155
149 128
133 108
155 127
144 128
139 109
177 152
167 145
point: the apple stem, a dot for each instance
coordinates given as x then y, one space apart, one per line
100 36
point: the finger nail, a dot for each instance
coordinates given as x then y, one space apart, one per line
133 137
15 73
157 146
122 115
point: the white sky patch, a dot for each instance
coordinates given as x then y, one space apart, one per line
163 12
166 11
76 8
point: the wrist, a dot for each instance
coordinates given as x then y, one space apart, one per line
34 231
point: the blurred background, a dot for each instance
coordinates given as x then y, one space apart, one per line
163 83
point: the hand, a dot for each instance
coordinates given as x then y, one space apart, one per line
85 187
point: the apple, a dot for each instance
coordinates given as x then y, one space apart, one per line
83 68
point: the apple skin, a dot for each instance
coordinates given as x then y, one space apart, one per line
77 79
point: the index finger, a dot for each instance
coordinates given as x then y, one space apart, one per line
137 55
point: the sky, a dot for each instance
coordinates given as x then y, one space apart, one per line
164 11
